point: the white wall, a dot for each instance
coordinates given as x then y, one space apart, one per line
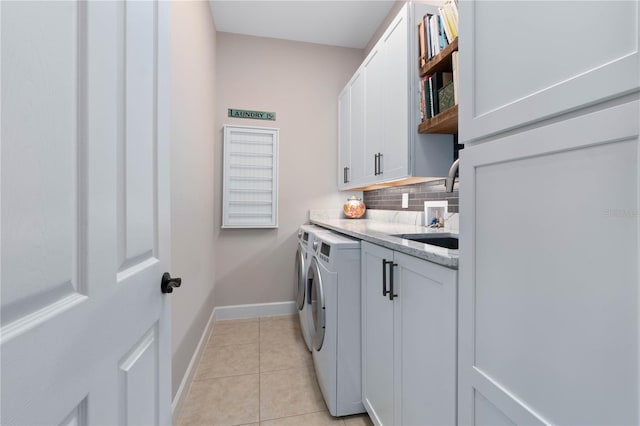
301 83
193 129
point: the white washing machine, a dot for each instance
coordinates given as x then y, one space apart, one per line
306 237
334 279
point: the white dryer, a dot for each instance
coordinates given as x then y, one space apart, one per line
334 278
306 237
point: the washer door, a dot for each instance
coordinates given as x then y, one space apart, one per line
317 303
300 272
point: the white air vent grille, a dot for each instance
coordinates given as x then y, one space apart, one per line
250 185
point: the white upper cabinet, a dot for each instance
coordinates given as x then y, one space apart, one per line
351 131
356 172
522 62
344 132
374 118
394 162
380 130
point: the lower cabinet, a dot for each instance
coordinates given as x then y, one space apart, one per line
408 339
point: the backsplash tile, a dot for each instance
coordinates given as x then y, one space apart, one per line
391 198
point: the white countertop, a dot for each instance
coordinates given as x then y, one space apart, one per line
380 232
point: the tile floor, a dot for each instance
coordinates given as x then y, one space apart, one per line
258 371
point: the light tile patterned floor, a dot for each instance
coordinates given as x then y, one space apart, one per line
258 371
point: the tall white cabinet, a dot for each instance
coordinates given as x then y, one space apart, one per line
379 113
549 306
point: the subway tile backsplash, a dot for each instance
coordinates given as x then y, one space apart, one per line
391 198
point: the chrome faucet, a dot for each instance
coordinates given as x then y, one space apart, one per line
452 176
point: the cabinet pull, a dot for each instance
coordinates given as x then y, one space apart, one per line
392 295
375 165
379 163
345 178
385 262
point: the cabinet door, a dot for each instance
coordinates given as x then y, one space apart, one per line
377 337
514 70
425 340
356 173
374 110
549 330
344 137
395 160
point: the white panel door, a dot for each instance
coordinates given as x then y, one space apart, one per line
377 335
425 341
85 332
374 119
549 284
524 61
351 142
344 137
395 160
356 173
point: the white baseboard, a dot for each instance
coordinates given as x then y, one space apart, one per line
224 313
254 311
183 390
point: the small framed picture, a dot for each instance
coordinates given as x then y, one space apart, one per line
434 211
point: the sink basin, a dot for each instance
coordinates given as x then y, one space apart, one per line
444 240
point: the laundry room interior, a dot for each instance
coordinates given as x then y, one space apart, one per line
362 212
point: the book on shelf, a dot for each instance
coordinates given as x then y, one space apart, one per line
445 97
454 66
443 36
430 91
445 27
450 13
427 35
435 32
421 44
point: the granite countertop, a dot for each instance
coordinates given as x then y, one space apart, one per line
379 231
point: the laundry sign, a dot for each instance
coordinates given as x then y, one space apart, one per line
255 115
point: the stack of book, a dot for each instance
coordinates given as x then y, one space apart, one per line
435 32
436 94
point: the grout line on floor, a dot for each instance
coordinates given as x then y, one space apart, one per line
224 377
299 415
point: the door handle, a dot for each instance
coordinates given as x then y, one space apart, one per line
346 175
375 164
385 262
379 163
392 295
168 284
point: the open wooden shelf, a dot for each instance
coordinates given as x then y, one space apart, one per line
445 122
440 62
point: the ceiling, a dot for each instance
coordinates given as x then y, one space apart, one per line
346 23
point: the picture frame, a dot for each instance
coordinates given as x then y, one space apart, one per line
435 210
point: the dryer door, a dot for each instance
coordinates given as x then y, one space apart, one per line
300 272
317 303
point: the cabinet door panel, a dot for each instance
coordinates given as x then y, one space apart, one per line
549 295
344 135
518 71
396 106
425 315
377 337
357 129
374 119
